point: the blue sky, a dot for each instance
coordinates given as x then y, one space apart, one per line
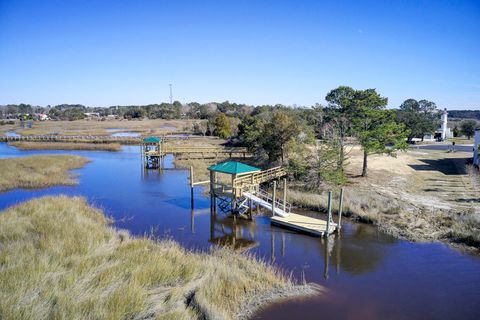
105 52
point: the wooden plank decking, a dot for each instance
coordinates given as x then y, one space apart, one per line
304 224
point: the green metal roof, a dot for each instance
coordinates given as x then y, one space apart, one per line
233 167
152 140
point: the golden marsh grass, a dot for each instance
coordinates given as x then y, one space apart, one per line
61 260
25 145
38 171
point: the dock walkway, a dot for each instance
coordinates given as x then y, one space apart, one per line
286 218
267 205
313 226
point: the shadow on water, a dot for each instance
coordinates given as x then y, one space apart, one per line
368 274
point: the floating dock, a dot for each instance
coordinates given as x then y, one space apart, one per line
305 224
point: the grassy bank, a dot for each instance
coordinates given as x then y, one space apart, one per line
25 145
61 260
38 171
200 170
419 196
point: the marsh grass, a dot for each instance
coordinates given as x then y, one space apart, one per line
61 260
200 167
92 127
25 145
38 171
362 205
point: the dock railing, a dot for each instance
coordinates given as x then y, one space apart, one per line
260 177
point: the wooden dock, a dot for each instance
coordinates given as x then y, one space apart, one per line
241 191
305 224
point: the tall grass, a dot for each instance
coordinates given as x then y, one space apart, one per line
364 205
25 145
38 171
92 127
59 259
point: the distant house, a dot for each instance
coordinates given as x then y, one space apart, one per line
92 115
476 148
43 117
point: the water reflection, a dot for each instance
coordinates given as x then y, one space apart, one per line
360 251
365 250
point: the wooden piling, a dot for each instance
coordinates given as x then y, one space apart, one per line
274 196
191 183
340 209
329 218
250 211
284 195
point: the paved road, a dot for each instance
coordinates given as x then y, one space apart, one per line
460 148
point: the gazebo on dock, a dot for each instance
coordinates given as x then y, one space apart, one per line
235 170
152 151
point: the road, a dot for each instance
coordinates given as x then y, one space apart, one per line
446 147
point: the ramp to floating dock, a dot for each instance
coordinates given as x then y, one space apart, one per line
305 224
265 204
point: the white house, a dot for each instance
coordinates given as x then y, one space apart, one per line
476 147
43 117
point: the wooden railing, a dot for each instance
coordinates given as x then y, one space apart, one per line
260 177
279 203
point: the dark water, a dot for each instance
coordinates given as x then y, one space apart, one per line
368 275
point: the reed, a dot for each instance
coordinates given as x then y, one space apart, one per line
61 260
38 171
25 145
93 127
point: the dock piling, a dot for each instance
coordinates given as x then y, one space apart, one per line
329 218
274 194
340 209
191 183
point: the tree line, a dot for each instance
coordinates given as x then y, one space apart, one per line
312 141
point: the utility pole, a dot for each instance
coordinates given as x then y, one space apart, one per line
171 95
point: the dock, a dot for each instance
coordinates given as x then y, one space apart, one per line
305 224
240 190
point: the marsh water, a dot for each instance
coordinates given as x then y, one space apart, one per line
122 132
367 274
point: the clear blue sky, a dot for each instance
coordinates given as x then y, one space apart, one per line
102 53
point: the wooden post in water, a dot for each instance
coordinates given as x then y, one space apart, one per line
191 184
340 209
284 195
250 211
274 194
329 212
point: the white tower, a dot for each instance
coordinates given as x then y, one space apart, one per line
444 124
476 148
